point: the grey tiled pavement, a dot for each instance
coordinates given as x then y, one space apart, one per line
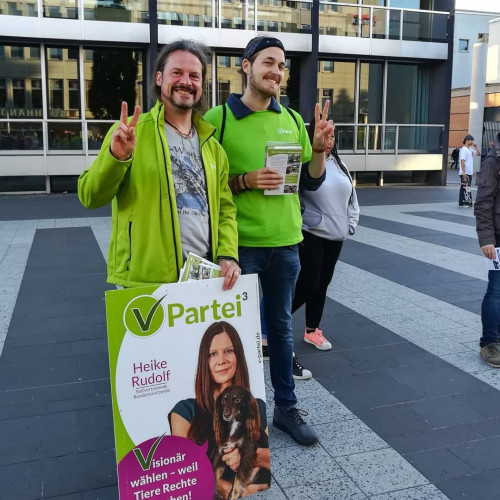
403 405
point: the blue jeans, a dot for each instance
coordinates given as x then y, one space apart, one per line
490 309
278 269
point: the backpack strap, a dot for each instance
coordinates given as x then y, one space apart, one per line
294 118
223 124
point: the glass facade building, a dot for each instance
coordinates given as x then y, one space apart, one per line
385 65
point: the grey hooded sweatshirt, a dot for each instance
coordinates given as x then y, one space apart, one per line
328 212
487 206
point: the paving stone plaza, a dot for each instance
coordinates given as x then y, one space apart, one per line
404 406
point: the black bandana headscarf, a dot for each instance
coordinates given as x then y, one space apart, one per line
261 43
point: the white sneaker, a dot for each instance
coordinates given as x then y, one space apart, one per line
299 372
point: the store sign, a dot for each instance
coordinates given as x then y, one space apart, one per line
20 113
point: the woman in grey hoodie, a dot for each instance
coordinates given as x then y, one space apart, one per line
331 214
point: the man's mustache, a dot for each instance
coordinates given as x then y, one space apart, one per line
184 87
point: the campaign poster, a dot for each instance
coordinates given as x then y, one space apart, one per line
188 390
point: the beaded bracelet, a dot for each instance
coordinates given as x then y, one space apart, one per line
234 184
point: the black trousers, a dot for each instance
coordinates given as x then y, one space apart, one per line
318 257
461 194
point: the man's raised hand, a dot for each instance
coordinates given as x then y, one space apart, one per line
323 128
123 140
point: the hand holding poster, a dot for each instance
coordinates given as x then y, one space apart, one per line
494 264
188 390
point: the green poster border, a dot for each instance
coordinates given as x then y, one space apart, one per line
116 302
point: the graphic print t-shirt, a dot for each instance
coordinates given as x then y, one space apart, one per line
190 192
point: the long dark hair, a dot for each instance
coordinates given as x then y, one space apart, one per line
204 384
201 51
333 153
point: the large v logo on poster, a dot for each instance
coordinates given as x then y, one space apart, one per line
188 390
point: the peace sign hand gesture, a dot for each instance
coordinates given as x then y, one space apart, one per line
323 128
123 140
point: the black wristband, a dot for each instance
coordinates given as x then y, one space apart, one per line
243 180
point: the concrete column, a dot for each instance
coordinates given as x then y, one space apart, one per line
477 91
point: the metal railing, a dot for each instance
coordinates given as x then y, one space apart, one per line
86 136
379 138
272 15
52 137
342 19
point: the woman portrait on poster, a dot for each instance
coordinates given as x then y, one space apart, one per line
221 363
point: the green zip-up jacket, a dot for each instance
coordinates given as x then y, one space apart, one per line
145 246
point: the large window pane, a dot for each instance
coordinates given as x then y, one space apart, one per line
408 89
56 96
365 22
344 137
3 93
370 93
63 83
236 14
339 20
228 79
73 94
338 85
135 11
374 138
425 26
21 136
17 52
185 12
284 16
420 138
66 9
112 76
19 8
18 93
386 24
65 136
206 99
390 139
20 83
36 94
290 90
96 132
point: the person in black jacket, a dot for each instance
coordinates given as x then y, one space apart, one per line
487 212
454 157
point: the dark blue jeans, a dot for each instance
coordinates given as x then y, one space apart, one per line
278 269
490 309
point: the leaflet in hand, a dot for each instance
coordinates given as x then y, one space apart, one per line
198 268
494 265
286 159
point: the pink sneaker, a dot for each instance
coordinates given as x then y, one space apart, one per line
316 339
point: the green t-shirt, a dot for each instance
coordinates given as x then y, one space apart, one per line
263 221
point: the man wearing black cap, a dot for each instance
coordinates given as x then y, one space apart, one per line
269 227
466 160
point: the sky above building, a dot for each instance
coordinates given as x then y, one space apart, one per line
478 5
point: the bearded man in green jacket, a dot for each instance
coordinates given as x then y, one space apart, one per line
166 176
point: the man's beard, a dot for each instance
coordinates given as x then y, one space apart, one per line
182 105
260 90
